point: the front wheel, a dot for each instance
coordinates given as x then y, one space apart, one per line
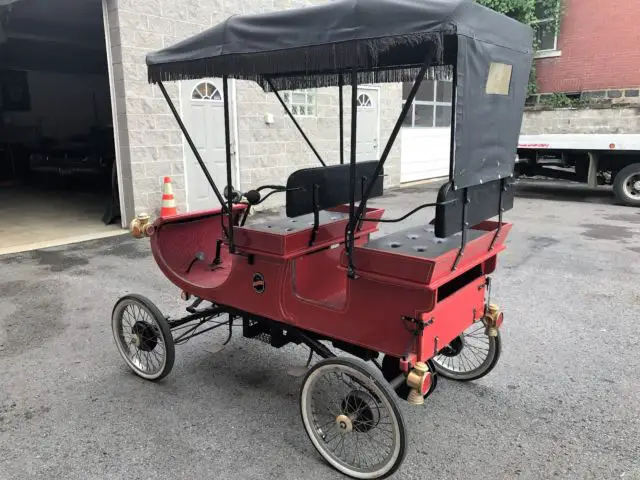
352 418
143 337
626 185
470 356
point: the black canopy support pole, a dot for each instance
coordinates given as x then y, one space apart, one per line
503 188
363 184
192 145
316 214
352 171
341 115
227 149
394 134
463 243
295 122
452 145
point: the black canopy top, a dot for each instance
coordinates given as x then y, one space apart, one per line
386 37
489 53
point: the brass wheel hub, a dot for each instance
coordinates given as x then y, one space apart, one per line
135 340
344 423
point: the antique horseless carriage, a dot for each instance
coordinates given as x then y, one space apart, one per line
404 307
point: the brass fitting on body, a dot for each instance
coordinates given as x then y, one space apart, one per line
416 380
492 320
141 227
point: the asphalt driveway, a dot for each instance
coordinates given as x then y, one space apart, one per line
563 402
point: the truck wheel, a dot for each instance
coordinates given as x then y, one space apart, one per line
626 185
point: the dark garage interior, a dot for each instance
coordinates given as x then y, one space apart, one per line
57 154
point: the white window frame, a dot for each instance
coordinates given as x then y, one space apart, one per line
287 96
547 52
434 103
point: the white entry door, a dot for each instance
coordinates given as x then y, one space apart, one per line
203 114
367 127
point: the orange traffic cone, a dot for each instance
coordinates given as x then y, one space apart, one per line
168 202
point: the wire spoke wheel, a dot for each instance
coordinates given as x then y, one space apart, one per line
352 419
470 356
143 337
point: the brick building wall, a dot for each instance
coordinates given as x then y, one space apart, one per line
598 57
150 141
598 48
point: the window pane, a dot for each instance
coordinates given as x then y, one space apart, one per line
444 91
408 120
199 92
425 92
299 97
424 115
443 116
309 110
542 11
545 36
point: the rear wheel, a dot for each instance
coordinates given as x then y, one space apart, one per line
626 185
470 356
143 337
352 419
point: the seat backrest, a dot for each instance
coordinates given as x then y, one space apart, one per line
332 184
484 203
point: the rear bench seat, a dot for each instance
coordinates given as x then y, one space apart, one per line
325 190
410 255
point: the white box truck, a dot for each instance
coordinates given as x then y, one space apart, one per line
598 159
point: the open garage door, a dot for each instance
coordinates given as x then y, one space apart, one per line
426 133
57 154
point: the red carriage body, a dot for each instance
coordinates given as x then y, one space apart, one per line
307 286
322 276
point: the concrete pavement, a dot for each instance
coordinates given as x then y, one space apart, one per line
562 403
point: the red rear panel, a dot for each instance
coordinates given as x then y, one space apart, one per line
452 316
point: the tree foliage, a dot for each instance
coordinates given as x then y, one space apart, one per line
525 11
529 12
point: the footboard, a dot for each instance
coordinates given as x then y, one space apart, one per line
190 249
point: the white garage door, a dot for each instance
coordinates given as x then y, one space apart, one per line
426 133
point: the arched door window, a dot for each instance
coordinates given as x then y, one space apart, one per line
364 101
206 91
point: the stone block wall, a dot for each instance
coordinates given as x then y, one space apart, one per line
581 120
150 141
269 153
